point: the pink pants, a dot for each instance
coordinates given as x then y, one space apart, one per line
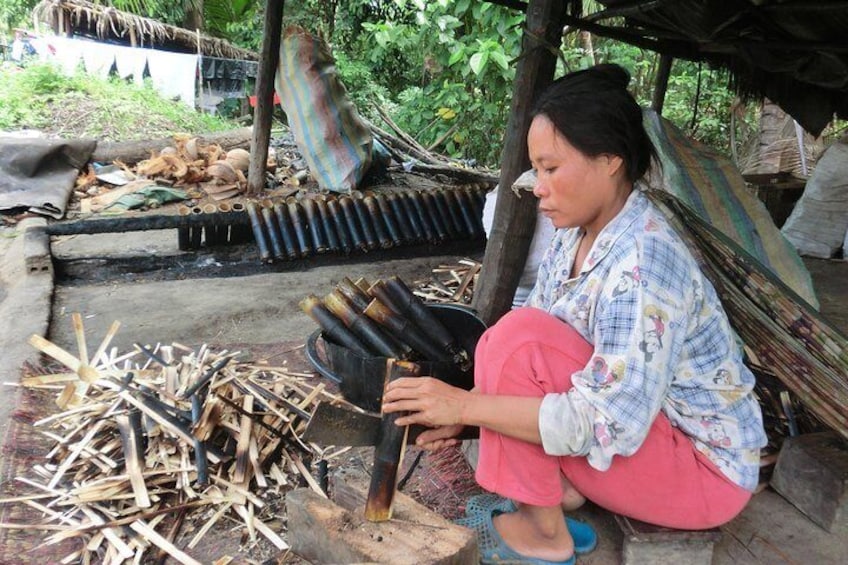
667 482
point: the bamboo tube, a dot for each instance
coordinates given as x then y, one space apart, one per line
389 217
447 214
463 210
352 223
364 328
412 215
368 231
401 218
285 227
327 224
184 232
378 290
300 228
406 331
414 198
258 231
273 233
334 208
432 212
313 220
388 454
332 326
196 233
379 222
414 308
358 299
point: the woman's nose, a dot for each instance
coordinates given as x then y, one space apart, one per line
539 189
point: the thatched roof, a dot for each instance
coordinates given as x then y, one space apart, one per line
78 17
794 52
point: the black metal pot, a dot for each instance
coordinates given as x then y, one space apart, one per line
360 378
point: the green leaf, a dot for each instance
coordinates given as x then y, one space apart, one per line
500 59
478 62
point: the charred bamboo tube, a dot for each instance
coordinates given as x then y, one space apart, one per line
379 291
433 213
414 309
361 325
284 225
362 284
300 229
401 218
258 231
423 217
412 215
338 221
273 232
388 454
358 299
389 217
352 223
313 219
239 231
470 195
210 227
378 221
453 228
184 232
368 231
225 224
197 230
332 326
200 460
459 208
406 331
327 223
469 212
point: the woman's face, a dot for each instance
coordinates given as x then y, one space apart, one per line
573 190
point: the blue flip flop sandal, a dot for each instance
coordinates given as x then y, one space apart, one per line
584 536
493 549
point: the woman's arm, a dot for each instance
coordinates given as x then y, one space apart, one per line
433 403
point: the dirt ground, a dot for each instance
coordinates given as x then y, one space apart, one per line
183 300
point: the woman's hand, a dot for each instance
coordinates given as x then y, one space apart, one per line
431 403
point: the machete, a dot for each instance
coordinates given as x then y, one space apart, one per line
331 424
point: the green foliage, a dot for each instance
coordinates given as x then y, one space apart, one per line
15 13
40 97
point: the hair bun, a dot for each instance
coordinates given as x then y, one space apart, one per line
616 75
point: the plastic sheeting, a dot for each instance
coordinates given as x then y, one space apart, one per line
39 174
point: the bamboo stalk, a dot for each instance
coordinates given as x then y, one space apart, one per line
388 454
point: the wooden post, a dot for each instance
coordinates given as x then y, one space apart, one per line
661 86
263 112
515 217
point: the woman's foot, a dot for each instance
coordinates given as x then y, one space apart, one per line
536 531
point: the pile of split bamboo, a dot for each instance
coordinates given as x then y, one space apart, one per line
160 438
450 283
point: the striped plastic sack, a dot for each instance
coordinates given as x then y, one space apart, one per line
333 138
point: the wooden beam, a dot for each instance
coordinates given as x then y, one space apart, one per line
263 112
515 217
661 85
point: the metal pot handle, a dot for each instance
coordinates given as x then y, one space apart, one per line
315 359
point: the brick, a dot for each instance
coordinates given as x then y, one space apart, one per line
812 474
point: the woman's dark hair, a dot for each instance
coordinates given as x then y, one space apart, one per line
594 111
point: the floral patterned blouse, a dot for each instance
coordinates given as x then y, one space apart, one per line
661 342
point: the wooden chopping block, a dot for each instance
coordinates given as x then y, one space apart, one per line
336 531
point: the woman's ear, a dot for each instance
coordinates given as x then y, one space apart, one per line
614 164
